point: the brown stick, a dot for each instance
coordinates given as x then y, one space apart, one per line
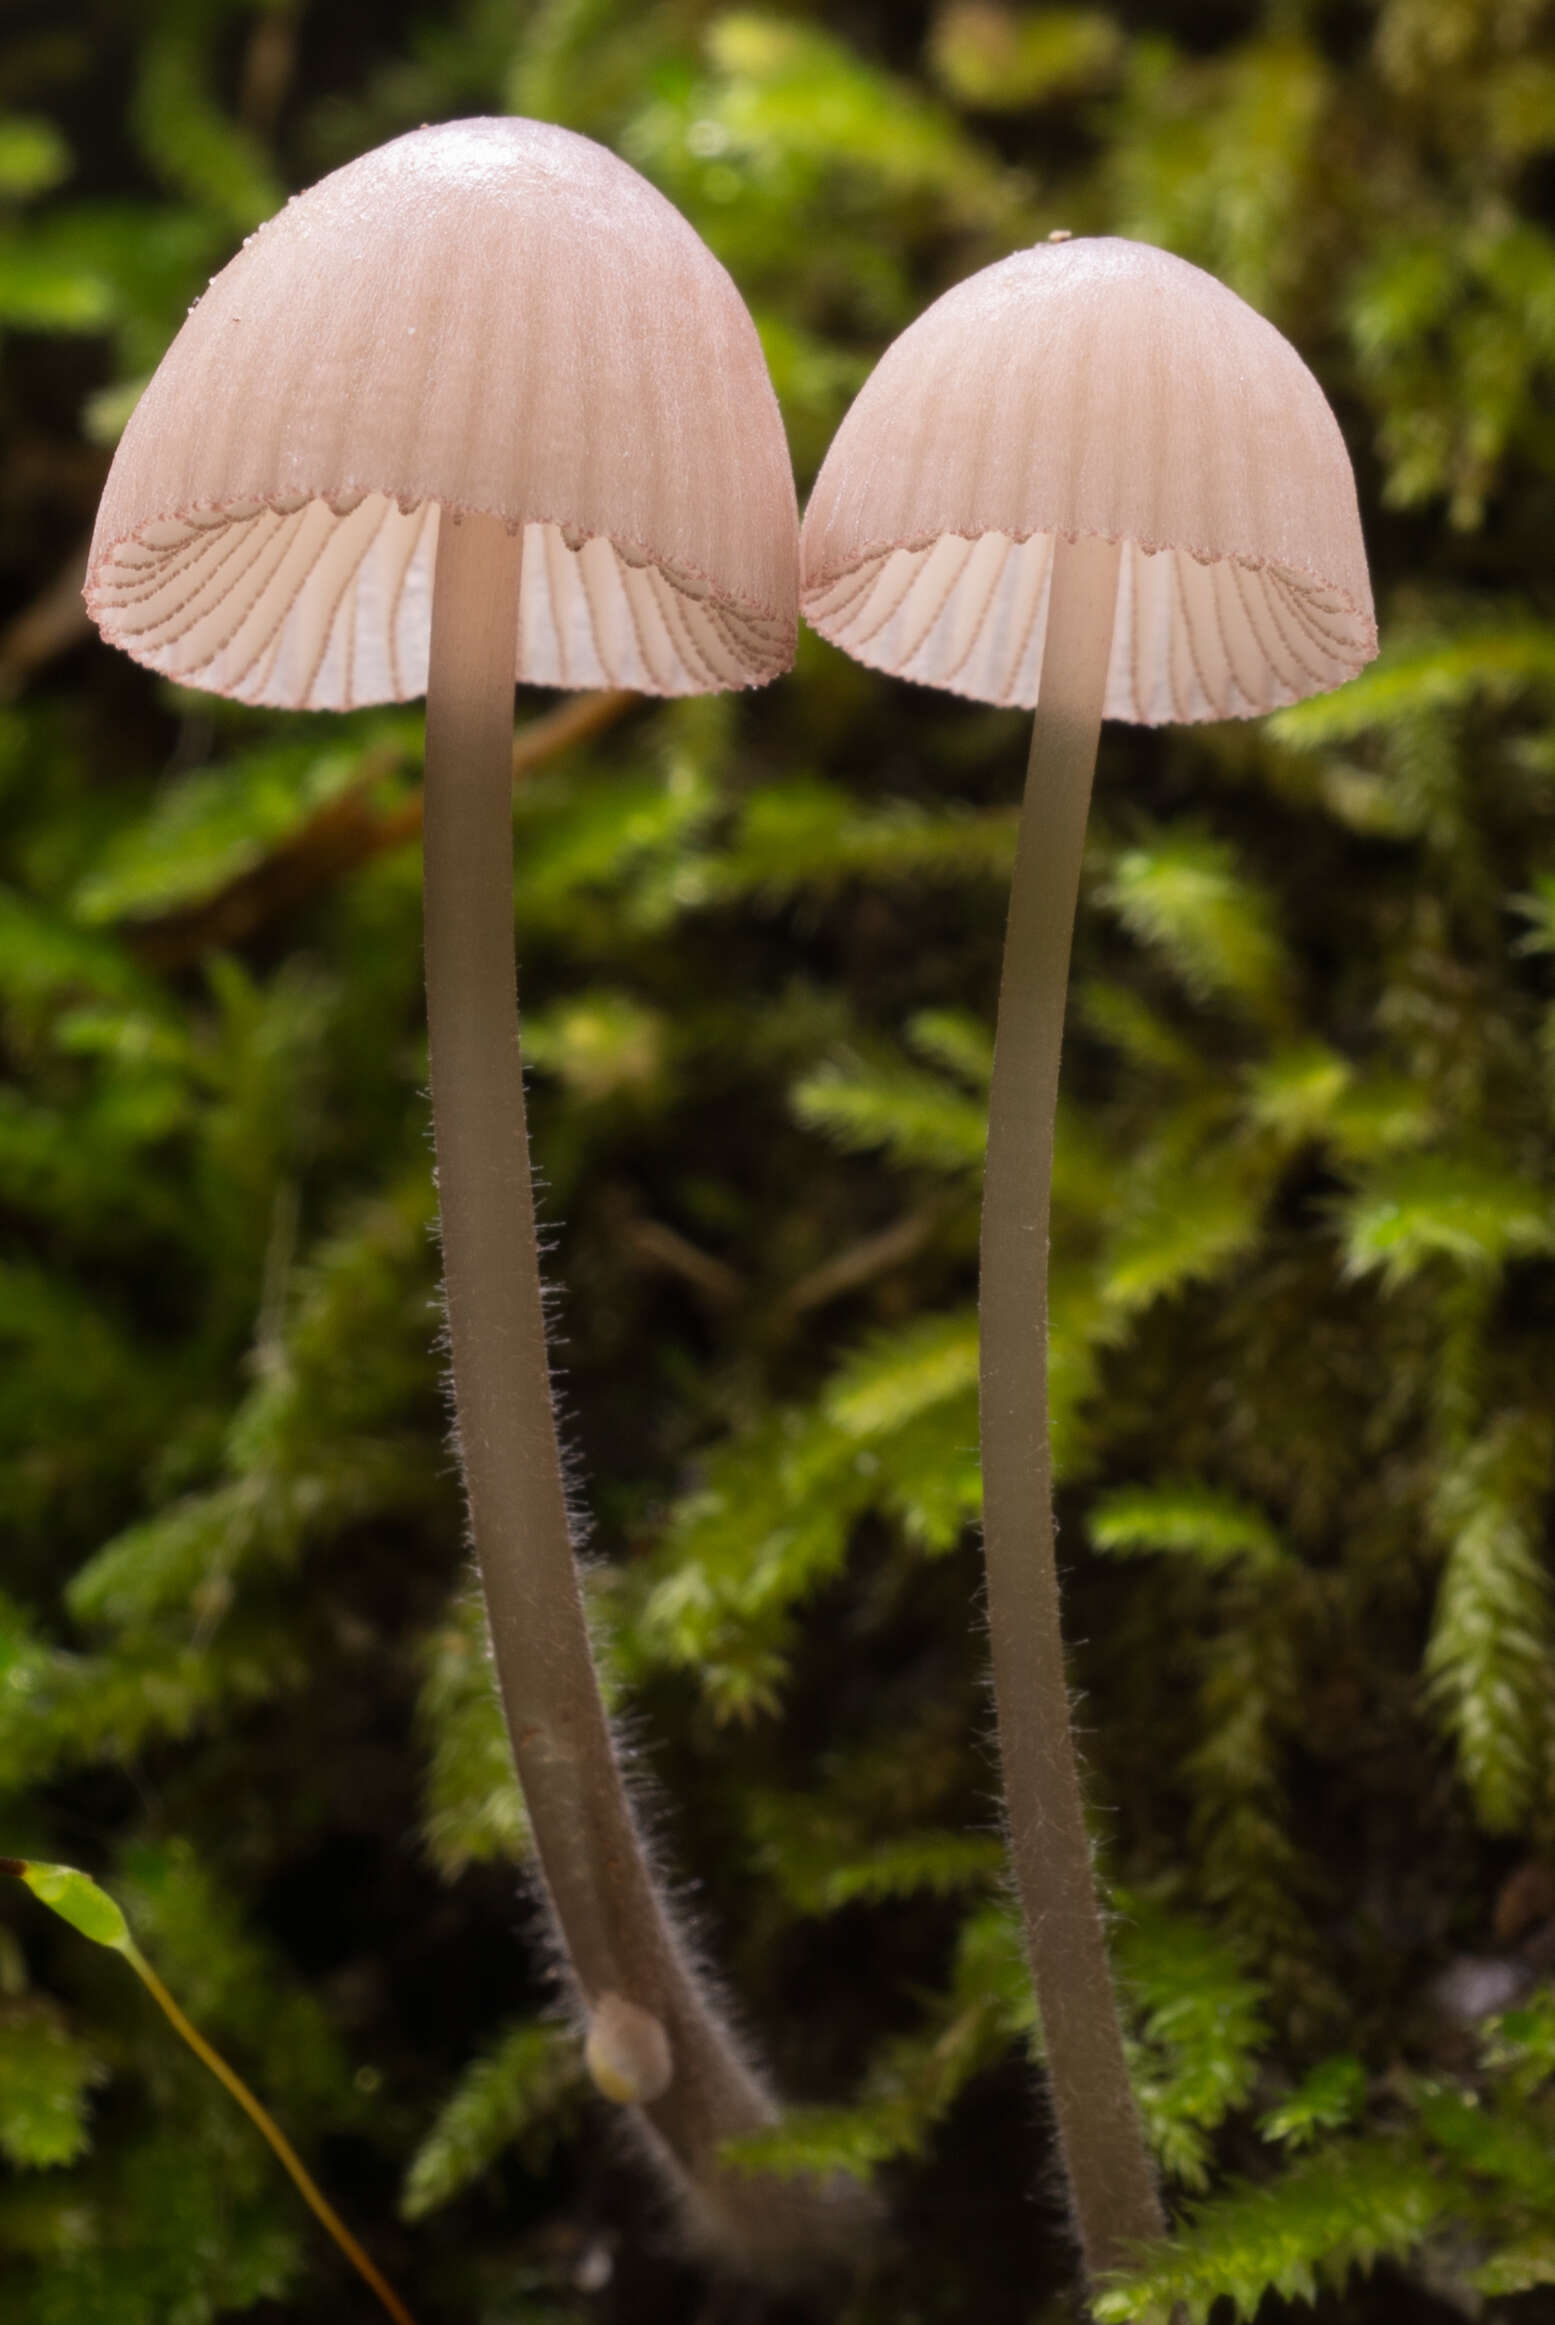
871 1256
56 619
346 832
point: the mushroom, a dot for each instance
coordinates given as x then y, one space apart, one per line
481 405
1091 479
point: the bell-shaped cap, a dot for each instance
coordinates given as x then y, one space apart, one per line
490 315
1094 387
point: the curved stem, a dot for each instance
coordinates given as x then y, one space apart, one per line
1110 2176
617 1933
270 2131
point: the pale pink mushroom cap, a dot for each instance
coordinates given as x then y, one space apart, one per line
495 316
1094 387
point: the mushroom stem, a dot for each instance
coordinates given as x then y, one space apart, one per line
617 1933
1110 2176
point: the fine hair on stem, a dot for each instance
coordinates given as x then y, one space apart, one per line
615 1929
1111 2182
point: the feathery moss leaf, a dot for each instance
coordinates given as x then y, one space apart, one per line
522 2093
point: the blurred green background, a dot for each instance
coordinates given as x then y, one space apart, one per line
1304 1372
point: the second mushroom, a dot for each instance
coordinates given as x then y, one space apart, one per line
1093 480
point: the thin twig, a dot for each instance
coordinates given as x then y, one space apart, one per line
346 832
269 63
653 1244
270 2131
872 1256
55 621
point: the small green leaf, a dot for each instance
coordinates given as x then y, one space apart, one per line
473 1812
961 1044
45 2075
1186 1518
1487 1660
523 2092
1200 2026
1325 2100
1426 672
1000 60
217 824
33 156
900 1375
76 1898
601 1043
1520 2044
920 1119
1184 1226
41 290
1345 2207
1460 1208
1183 895
1519 2267
1294 1092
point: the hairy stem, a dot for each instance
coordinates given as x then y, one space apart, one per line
1110 2177
618 1936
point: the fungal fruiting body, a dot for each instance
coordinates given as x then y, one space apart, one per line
1094 481
482 406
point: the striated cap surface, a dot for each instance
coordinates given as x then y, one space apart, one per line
494 315
1090 387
